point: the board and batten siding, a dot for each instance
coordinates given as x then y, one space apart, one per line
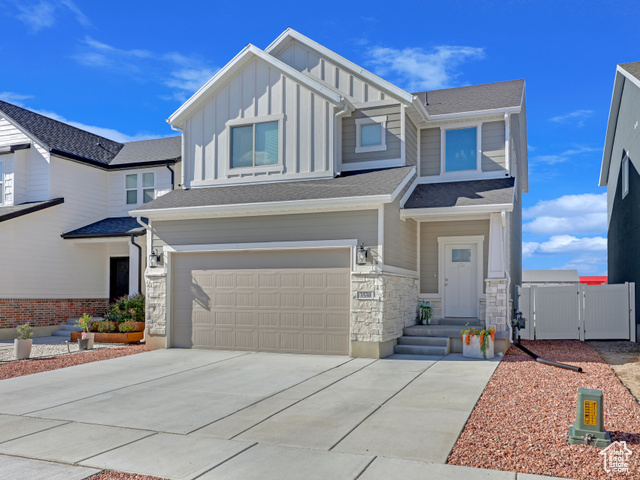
117 192
400 237
305 59
430 151
42 264
257 91
493 154
411 142
359 225
429 233
393 135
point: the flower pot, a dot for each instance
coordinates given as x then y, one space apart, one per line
473 349
83 344
90 337
22 348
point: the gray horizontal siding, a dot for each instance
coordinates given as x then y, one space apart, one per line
493 138
349 154
360 225
429 233
430 151
411 144
400 238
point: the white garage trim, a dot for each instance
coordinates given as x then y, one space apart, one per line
239 247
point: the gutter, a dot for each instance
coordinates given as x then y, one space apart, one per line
337 133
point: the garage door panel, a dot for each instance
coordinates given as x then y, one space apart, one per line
288 309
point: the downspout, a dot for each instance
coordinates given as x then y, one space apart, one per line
507 145
182 156
172 175
149 232
337 145
503 216
139 262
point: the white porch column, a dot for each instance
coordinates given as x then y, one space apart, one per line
134 267
496 267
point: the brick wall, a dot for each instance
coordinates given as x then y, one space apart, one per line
42 312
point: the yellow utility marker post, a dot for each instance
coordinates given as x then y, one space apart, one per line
588 428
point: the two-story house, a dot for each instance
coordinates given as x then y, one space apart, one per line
67 243
619 173
321 203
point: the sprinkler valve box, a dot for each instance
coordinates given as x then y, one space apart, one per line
589 426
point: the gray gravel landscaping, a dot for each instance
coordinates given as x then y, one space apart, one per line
42 351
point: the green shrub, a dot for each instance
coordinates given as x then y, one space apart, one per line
129 307
126 327
106 326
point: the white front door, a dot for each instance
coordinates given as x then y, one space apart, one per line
460 278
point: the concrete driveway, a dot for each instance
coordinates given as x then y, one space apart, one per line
184 414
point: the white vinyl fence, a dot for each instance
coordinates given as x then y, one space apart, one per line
579 312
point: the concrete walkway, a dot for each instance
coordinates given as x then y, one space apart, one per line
185 414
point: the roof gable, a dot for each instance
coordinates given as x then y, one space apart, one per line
234 66
56 135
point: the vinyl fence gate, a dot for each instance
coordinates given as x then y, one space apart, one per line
578 312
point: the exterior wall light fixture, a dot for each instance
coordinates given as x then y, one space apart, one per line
361 255
155 259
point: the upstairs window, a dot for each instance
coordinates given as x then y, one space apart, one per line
255 145
371 134
139 187
625 174
461 149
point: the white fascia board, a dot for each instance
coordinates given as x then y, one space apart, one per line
384 85
244 247
25 132
410 176
491 111
405 197
612 123
266 208
423 213
252 51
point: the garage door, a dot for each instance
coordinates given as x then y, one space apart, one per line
276 301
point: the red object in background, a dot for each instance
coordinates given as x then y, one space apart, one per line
601 280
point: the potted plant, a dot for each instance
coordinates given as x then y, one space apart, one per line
22 344
478 343
426 310
85 342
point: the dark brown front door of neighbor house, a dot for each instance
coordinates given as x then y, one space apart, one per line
119 284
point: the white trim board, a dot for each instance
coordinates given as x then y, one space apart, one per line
243 247
423 214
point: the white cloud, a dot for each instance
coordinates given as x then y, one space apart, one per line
587 265
417 69
564 156
569 214
183 74
15 98
43 14
577 117
558 244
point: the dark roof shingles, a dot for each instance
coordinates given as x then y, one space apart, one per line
356 184
14 211
109 227
633 68
473 98
155 150
458 194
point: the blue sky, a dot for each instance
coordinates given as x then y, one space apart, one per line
121 68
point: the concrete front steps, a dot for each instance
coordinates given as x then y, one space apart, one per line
66 328
440 338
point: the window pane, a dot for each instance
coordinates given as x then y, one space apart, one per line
370 135
242 146
132 181
132 197
462 149
461 255
147 195
267 143
147 180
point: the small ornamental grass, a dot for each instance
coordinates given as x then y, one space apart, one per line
25 332
482 334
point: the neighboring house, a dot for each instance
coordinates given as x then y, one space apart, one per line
619 173
320 203
545 278
594 280
68 243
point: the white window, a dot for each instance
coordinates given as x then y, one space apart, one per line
371 134
625 174
460 147
255 145
139 187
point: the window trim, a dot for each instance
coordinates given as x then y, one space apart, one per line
382 120
443 149
624 171
245 122
139 188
